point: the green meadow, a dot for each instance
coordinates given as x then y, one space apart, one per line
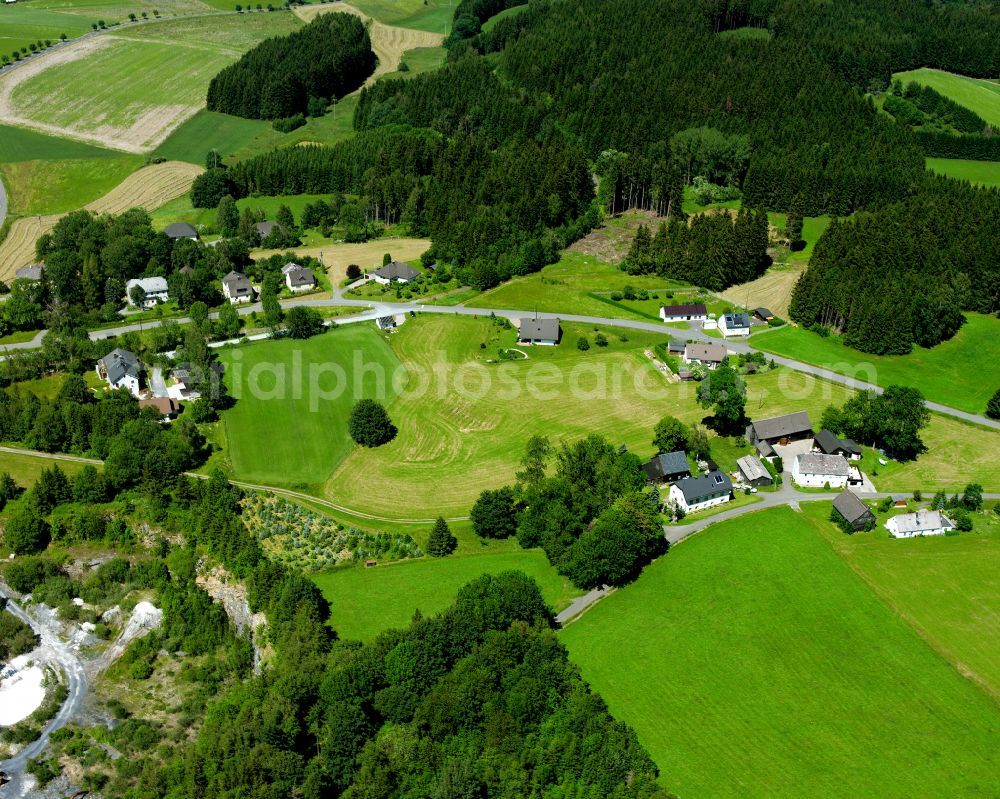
20 144
491 23
753 662
280 432
367 601
962 372
981 173
55 186
976 94
946 587
423 15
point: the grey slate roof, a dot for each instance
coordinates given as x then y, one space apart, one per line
666 463
119 363
752 468
830 444
817 463
780 426
396 270
737 320
696 489
695 309
546 329
706 353
921 521
265 228
764 313
238 283
300 277
33 272
849 506
181 230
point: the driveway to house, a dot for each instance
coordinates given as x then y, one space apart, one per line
157 384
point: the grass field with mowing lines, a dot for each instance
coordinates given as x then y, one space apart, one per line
947 587
422 15
981 96
279 438
962 372
170 65
752 662
60 186
365 602
981 173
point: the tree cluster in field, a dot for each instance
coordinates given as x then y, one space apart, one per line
917 105
471 14
900 276
591 515
712 250
298 73
891 420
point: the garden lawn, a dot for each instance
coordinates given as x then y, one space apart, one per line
752 662
981 173
962 372
285 433
946 587
981 96
367 601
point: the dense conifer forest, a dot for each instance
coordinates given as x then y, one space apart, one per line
296 74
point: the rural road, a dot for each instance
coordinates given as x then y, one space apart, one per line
55 650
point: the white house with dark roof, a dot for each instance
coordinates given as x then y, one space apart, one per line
120 369
816 470
694 312
734 324
546 331
394 272
923 522
154 290
698 493
236 286
299 278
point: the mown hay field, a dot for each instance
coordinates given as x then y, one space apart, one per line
753 662
148 188
130 88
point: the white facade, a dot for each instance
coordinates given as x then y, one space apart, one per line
668 314
819 471
728 327
923 522
676 496
155 289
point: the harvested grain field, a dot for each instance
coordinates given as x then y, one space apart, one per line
388 41
337 257
148 188
772 290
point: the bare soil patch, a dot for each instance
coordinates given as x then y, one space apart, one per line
772 290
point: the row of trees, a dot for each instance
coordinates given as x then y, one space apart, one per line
298 73
715 250
899 277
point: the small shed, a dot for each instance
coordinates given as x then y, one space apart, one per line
855 513
753 471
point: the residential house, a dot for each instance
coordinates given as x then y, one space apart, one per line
181 230
923 522
236 286
766 433
154 290
827 443
734 324
299 278
855 513
264 229
394 272
696 312
697 493
667 467
167 407
753 471
763 314
708 355
545 331
816 470
32 273
386 322
120 369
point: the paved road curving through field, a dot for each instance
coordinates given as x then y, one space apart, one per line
58 652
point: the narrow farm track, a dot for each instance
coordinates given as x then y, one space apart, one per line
149 188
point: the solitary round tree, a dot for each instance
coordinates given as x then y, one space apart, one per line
441 541
370 424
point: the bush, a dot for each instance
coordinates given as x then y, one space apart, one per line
601 340
353 271
370 425
582 343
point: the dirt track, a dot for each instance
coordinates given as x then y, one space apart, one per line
149 188
388 41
